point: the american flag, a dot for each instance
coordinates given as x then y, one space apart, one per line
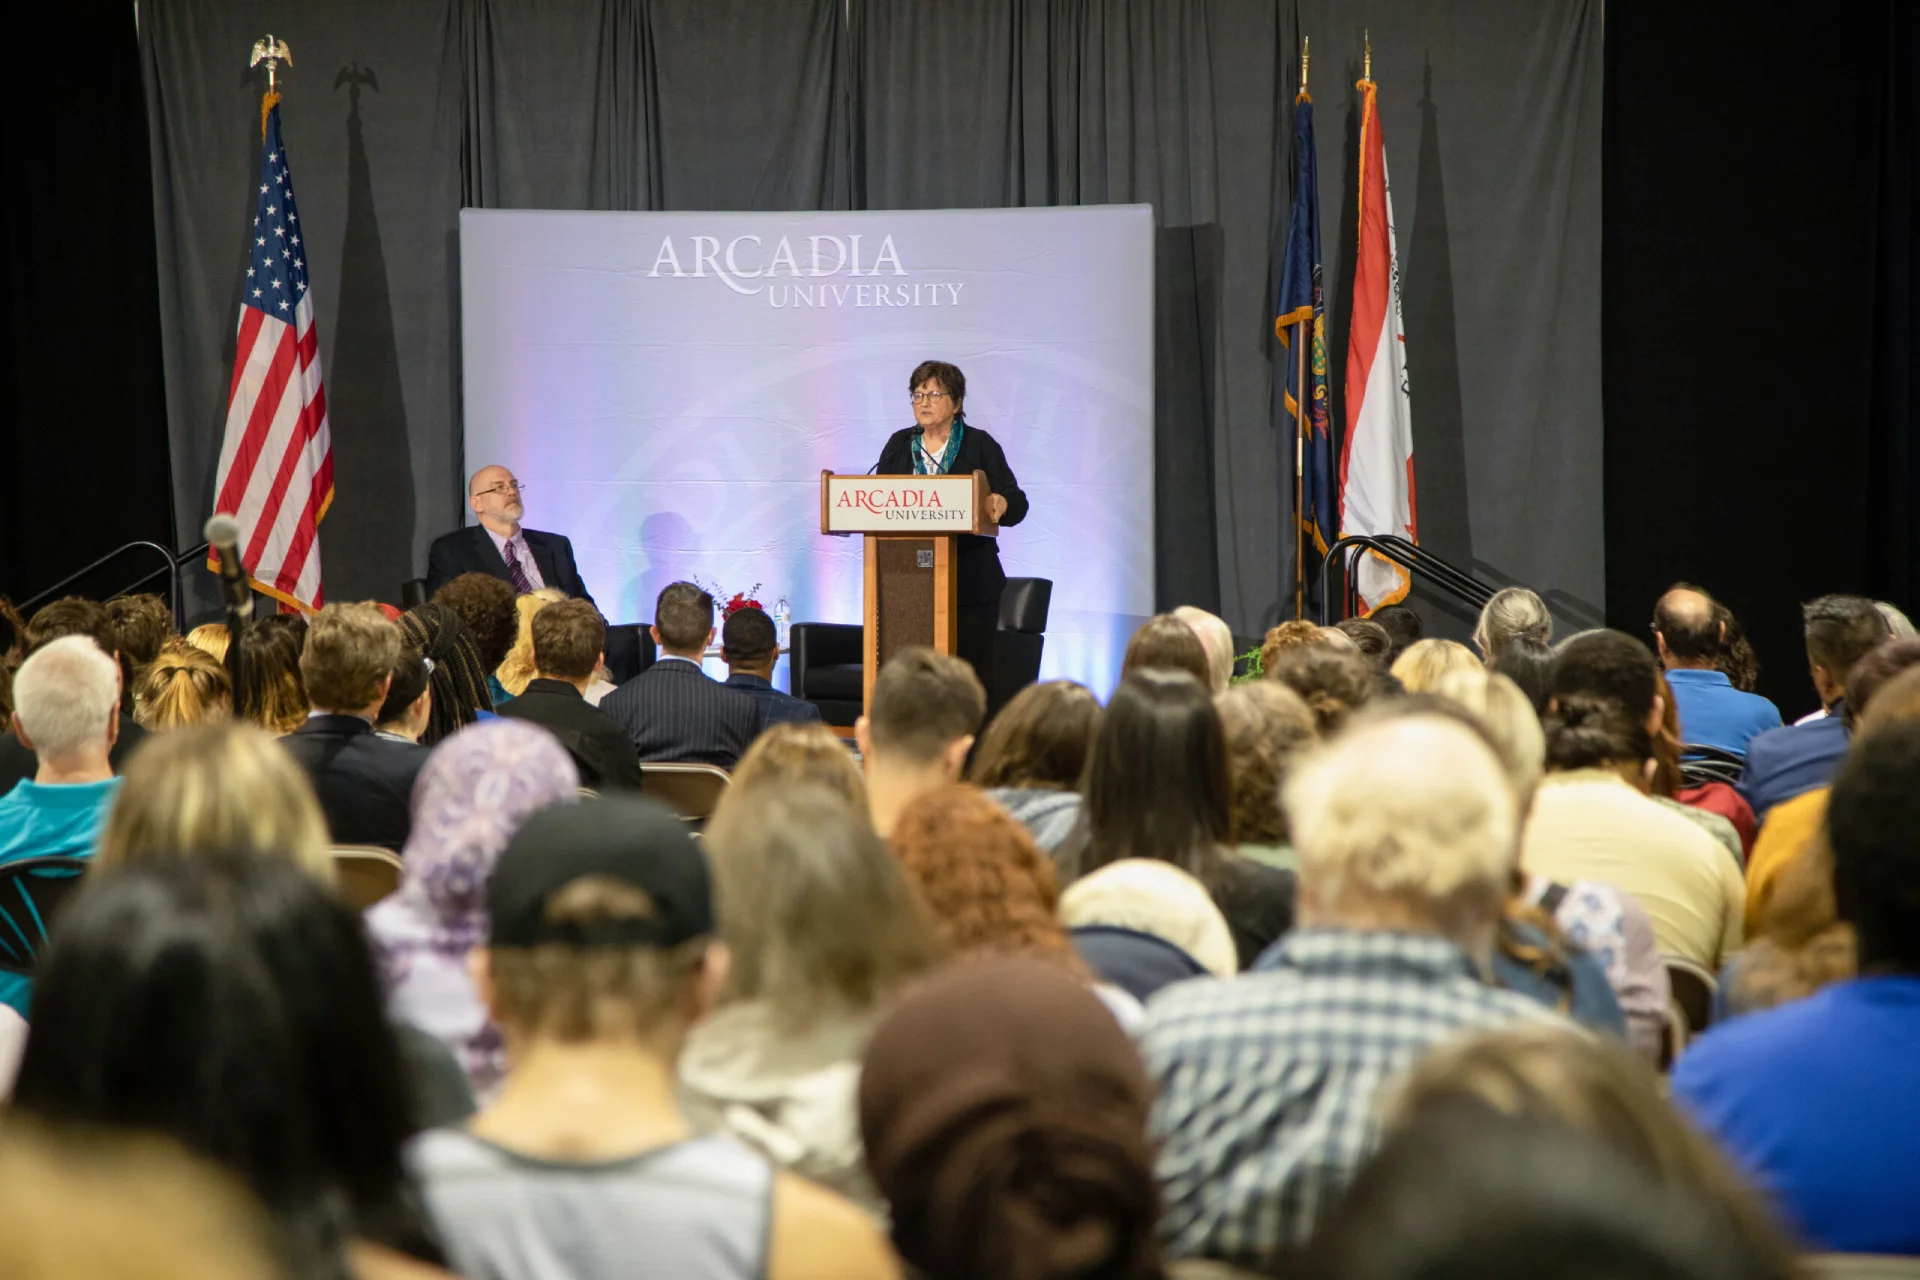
276 462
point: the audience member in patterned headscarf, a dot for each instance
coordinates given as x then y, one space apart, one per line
456 673
1005 1116
473 794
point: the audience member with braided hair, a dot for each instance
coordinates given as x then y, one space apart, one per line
1159 786
1332 683
1592 818
1035 754
1005 1118
486 605
457 678
183 685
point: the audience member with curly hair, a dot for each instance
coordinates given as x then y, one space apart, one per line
486 605
1333 684
1267 727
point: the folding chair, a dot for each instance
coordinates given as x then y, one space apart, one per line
690 790
31 890
365 873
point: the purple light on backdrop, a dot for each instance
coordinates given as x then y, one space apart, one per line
671 385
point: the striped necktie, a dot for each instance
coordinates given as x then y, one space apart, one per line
517 571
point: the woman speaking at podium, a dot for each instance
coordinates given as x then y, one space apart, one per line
943 442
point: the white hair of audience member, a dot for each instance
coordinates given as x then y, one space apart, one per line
1217 639
1512 614
1158 898
1405 822
1898 623
1509 719
66 694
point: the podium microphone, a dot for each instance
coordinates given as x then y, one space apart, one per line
222 533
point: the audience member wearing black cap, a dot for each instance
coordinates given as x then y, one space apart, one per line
603 954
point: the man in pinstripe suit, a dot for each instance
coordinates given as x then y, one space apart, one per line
673 710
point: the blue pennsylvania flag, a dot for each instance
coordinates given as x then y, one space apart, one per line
1301 300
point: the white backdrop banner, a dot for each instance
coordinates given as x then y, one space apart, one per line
669 387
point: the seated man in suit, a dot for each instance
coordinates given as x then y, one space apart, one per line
750 645
569 637
364 781
527 558
673 710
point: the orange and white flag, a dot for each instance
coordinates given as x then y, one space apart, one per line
1376 458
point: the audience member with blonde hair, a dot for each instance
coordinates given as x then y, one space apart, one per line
1405 830
822 929
1140 896
788 753
1514 613
1267 727
212 637
216 787
1035 754
518 667
602 955
183 685
1425 661
1217 639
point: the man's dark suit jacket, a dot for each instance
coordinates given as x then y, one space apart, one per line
980 579
472 551
365 783
775 706
675 711
18 763
600 748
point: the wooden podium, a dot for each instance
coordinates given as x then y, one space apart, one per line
910 524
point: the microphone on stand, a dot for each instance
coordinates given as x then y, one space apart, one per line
222 533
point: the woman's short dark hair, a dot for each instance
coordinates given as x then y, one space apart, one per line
409 682
1872 814
1043 738
1158 785
230 1002
951 380
1606 664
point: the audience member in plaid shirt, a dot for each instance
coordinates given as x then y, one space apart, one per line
1267 1084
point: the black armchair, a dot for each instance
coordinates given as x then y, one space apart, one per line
629 649
825 668
1018 644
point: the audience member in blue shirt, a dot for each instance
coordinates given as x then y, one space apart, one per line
750 645
1816 1099
1712 712
1782 763
66 699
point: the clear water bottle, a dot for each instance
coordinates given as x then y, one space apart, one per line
782 620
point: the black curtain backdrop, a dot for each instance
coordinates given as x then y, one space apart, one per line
397 115
81 412
1760 298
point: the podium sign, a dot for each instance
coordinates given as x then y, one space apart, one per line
910 524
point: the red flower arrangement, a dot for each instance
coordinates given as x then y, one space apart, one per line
733 604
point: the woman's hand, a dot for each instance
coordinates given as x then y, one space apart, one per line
996 507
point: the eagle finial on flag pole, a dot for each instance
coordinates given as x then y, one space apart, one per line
274 52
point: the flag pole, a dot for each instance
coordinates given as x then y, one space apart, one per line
273 53
1302 336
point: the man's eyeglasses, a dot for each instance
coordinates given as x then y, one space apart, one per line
928 397
509 486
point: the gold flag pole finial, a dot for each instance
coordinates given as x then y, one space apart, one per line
1367 67
273 53
1305 43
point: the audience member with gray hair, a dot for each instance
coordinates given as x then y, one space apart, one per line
1513 614
1405 831
66 709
